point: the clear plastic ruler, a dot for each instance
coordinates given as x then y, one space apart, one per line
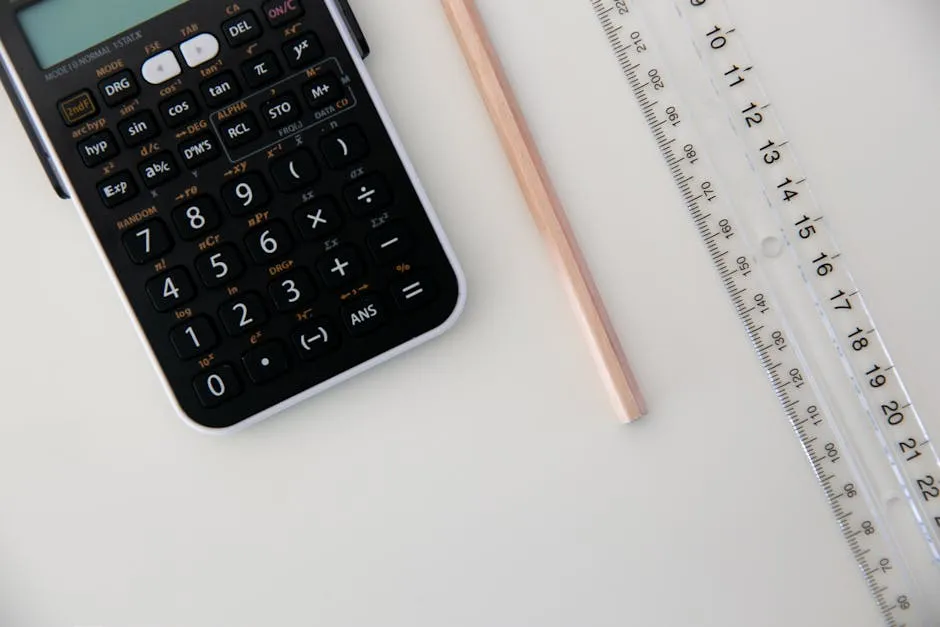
769 240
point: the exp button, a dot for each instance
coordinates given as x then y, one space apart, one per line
77 108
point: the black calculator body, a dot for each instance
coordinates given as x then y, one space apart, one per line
241 177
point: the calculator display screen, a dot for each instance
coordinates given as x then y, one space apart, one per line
59 29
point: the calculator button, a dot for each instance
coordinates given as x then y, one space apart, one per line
160 68
340 267
199 150
266 362
199 49
196 218
241 130
148 241
280 111
343 147
220 89
215 387
281 12
318 219
368 195
364 315
262 70
158 170
315 339
117 190
220 266
296 170
269 242
322 91
78 108
241 29
302 51
412 292
98 148
179 109
389 244
138 129
292 290
119 88
194 338
242 314
171 289
246 194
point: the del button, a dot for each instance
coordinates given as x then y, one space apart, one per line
78 108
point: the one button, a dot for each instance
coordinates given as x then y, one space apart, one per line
344 147
221 89
340 267
197 218
220 266
318 219
194 338
322 91
412 292
292 290
316 339
117 190
148 241
363 315
179 109
368 195
78 108
298 169
241 29
241 130
138 129
246 194
262 70
98 148
280 111
170 290
266 362
281 12
200 49
242 314
218 386
269 243
303 51
199 150
119 88
161 68
158 170
389 244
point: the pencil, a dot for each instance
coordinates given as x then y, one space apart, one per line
545 206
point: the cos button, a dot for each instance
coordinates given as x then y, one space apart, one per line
118 88
180 109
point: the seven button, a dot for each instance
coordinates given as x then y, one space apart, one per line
148 241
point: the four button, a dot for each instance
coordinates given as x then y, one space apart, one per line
171 290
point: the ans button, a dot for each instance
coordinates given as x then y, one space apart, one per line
78 108
364 316
281 12
119 88
240 131
98 148
241 29
117 190
200 49
160 68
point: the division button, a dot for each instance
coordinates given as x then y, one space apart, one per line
344 147
280 111
368 195
241 29
303 51
199 150
323 90
179 109
117 190
78 108
266 362
281 12
363 316
159 169
262 70
221 89
200 49
160 68
294 171
119 88
138 129
315 339
215 387
98 148
241 130
194 338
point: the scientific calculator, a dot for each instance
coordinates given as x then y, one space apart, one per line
241 177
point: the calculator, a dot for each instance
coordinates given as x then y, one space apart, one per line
241 177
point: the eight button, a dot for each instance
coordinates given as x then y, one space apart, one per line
197 218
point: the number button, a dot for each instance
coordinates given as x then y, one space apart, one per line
340 267
269 242
292 290
318 219
194 339
246 194
197 218
344 147
243 314
150 240
295 171
266 362
220 266
217 386
171 289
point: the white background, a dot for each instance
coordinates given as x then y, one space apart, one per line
483 480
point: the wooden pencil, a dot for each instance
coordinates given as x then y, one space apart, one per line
543 201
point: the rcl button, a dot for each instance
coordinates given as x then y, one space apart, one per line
280 12
118 88
242 130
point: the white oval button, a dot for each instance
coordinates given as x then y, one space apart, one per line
200 49
161 68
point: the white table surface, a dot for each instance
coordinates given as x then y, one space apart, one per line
482 479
